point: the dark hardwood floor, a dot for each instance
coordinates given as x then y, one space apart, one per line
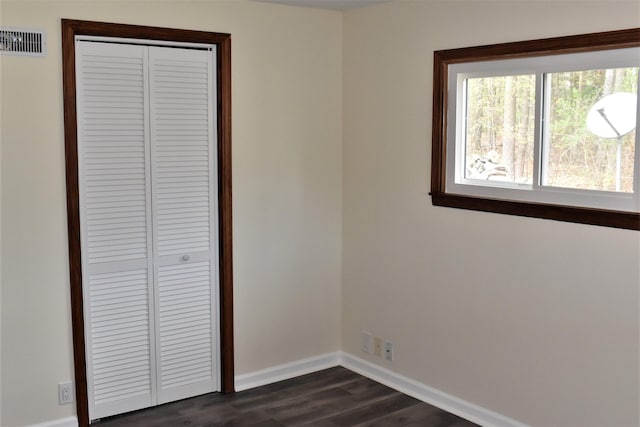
330 398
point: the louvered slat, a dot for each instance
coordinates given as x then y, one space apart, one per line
183 333
179 84
182 129
131 374
116 228
101 173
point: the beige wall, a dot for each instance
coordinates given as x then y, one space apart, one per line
287 121
540 323
0 243
534 319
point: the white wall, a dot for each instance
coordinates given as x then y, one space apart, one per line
534 319
287 121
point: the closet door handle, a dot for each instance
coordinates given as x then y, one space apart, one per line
185 258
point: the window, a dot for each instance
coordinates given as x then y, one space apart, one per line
543 128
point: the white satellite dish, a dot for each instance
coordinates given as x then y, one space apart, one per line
614 115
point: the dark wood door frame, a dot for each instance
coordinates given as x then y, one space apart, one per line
71 29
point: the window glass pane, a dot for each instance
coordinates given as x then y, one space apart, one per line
500 114
589 142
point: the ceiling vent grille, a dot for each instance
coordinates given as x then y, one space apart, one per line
22 42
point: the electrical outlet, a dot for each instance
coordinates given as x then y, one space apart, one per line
388 351
377 346
366 344
65 393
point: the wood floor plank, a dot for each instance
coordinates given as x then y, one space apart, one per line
418 416
295 387
334 397
383 407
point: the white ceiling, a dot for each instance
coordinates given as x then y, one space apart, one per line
328 4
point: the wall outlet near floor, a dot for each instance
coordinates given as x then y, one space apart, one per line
377 346
366 344
65 393
388 351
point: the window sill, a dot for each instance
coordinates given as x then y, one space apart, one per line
602 217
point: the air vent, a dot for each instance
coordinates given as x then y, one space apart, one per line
23 42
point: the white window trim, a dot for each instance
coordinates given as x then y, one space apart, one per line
536 193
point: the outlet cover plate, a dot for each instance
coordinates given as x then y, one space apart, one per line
377 346
65 393
388 351
367 342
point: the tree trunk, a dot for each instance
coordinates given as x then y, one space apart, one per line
609 81
618 85
508 124
523 139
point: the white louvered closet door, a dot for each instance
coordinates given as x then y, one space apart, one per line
184 188
147 169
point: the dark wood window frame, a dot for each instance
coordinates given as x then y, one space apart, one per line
71 29
542 47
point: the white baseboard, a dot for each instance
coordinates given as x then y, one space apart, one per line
286 371
423 392
62 422
430 395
